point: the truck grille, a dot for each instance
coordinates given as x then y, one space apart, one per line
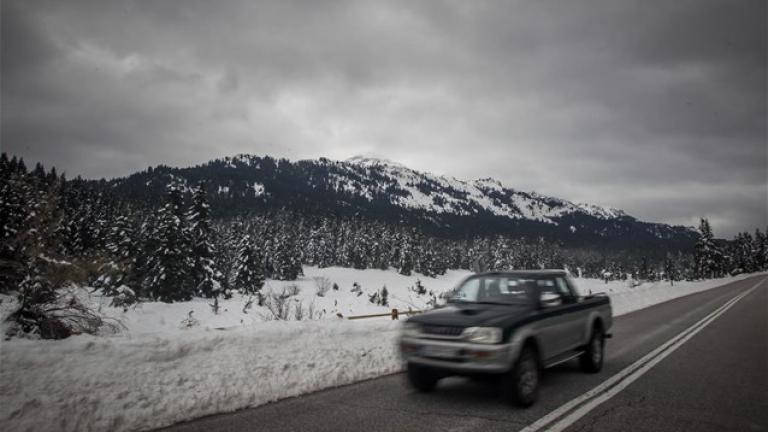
434 330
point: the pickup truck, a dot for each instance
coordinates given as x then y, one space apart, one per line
509 324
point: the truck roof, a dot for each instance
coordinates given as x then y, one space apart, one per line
542 272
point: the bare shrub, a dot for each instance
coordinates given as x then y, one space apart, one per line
322 286
280 308
356 289
292 290
310 313
248 304
56 314
215 306
277 304
124 297
298 311
190 321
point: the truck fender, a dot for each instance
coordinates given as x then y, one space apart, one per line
593 317
519 337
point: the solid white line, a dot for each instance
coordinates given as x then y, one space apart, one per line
626 376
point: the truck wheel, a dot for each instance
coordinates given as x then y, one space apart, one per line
521 384
421 378
592 358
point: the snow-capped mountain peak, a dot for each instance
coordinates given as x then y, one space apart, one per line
368 161
414 189
367 186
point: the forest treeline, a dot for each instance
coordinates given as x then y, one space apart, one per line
57 232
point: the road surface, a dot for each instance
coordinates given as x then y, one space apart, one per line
698 362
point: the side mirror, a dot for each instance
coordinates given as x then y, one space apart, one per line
550 299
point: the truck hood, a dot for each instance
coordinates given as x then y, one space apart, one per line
473 315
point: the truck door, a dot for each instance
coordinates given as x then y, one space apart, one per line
555 324
575 325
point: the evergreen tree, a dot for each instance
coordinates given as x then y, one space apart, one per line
670 269
122 249
169 276
15 206
405 256
765 249
384 296
707 256
248 274
121 241
760 250
205 278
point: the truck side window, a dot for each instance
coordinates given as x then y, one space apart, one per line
565 290
547 286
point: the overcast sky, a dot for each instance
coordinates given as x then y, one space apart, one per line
654 107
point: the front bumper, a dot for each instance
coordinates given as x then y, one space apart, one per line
459 356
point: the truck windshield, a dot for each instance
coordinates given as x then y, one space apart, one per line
497 289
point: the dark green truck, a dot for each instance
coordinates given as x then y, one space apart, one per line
512 324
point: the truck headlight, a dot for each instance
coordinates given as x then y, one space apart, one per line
484 335
411 329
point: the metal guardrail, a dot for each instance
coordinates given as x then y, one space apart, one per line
395 314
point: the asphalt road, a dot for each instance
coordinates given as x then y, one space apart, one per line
715 381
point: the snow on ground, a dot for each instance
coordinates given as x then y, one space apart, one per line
156 373
89 383
625 298
154 318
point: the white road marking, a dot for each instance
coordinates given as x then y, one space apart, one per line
580 406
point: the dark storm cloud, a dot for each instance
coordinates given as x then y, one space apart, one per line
658 108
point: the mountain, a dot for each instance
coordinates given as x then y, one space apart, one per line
392 193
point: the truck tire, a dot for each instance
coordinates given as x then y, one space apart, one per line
421 378
592 358
521 384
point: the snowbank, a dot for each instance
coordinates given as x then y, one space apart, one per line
89 383
626 299
157 374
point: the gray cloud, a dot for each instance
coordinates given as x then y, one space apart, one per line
659 109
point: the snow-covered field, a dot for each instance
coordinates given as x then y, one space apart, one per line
158 318
158 372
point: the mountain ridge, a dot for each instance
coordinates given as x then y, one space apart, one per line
390 192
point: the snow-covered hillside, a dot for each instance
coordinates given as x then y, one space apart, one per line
157 372
385 191
450 195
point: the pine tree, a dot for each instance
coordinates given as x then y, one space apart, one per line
760 250
205 278
122 249
229 236
121 241
284 253
405 258
670 269
419 288
765 249
742 254
326 245
707 256
384 296
248 273
169 276
15 205
645 270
